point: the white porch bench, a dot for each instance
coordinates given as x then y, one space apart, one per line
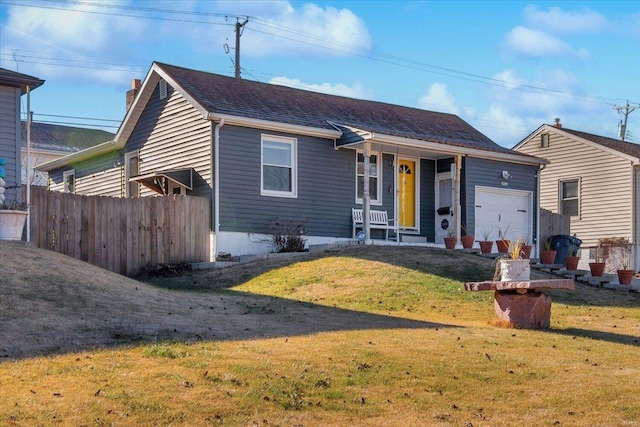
377 220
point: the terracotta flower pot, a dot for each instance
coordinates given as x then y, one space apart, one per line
503 246
597 269
625 277
450 242
485 246
467 241
571 262
525 252
547 257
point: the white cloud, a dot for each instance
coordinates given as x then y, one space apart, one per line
439 99
354 91
535 43
64 43
557 21
310 29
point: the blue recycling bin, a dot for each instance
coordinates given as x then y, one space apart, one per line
564 246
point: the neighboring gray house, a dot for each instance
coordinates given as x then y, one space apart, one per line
593 179
261 151
12 86
52 141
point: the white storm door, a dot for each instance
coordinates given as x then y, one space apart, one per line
445 219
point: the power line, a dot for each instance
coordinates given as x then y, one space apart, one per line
76 117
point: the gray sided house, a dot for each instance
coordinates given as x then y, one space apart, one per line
262 151
593 179
12 86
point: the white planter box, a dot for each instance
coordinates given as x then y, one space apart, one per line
515 270
12 224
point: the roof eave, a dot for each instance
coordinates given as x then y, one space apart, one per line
465 151
275 126
79 156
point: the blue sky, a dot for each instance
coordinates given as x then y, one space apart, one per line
506 67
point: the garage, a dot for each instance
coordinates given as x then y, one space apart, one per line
498 210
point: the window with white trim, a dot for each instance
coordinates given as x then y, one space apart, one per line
279 177
570 197
69 181
375 183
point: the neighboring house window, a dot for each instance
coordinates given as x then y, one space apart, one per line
131 169
163 89
69 181
279 167
375 183
570 197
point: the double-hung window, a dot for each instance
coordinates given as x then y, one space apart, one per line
279 167
375 182
570 197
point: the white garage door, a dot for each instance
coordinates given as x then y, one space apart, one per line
502 211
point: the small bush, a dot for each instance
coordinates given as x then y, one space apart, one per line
287 235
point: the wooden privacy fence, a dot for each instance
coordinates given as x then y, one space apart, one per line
552 224
122 235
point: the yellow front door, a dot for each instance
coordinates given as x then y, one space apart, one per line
407 193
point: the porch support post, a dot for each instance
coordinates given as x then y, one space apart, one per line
366 201
458 213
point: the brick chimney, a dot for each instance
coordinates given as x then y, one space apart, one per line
131 94
557 123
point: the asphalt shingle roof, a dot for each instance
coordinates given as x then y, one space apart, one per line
628 148
244 98
63 138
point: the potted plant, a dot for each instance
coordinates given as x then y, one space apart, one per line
512 267
597 267
547 255
503 243
12 214
486 244
450 241
571 261
468 238
526 250
625 275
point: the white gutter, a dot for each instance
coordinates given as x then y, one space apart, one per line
29 116
275 126
103 148
453 150
216 184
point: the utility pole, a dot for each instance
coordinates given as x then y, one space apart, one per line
626 110
239 29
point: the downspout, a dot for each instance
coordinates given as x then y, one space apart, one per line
458 213
28 162
215 214
366 202
538 210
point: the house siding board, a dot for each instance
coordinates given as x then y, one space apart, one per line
427 199
99 176
10 139
171 134
488 173
326 186
636 204
605 188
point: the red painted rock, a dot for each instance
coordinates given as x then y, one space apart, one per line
527 311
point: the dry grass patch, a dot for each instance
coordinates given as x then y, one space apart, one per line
356 337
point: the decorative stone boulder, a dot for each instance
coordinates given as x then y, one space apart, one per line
531 310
